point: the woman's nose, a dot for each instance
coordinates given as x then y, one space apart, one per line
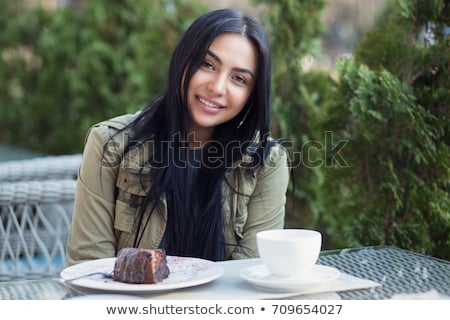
217 85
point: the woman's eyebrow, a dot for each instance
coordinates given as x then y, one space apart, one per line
244 70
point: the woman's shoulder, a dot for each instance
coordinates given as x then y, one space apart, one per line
277 152
110 128
109 135
118 123
274 152
275 156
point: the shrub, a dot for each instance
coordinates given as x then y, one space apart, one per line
379 135
62 71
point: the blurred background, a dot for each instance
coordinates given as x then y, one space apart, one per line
360 95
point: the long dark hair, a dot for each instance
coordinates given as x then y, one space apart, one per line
194 202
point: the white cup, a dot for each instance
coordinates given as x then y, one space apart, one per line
289 252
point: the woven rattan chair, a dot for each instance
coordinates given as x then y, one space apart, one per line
34 222
41 168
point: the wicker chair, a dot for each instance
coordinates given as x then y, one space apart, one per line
41 168
34 222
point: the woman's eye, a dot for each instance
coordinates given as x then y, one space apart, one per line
207 64
240 79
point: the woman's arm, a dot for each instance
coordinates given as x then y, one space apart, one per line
92 233
266 207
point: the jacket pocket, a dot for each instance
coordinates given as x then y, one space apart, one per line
130 194
124 217
133 182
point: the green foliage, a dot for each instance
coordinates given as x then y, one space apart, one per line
300 99
394 110
62 71
395 190
294 27
381 132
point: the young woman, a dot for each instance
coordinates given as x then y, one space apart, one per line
195 172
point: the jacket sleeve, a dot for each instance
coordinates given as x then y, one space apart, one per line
92 234
266 207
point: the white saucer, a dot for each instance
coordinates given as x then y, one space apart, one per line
260 277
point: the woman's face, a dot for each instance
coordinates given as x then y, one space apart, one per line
221 86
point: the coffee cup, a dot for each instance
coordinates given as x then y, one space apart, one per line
289 252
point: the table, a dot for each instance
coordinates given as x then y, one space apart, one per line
397 271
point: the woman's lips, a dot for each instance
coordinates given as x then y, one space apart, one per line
209 106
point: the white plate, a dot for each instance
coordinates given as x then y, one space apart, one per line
184 272
260 277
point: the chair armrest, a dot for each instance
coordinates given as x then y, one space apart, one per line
41 168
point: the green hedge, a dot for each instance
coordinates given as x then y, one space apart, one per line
371 149
62 71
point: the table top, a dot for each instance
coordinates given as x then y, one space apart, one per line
396 271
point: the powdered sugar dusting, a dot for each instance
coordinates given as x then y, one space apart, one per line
183 269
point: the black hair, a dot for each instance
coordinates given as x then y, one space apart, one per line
193 194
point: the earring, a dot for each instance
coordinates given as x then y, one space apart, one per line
243 118
248 106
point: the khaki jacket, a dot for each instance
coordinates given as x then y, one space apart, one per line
108 196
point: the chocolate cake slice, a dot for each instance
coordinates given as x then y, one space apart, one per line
141 266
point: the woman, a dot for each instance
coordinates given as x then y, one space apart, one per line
195 172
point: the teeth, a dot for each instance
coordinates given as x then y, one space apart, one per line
209 104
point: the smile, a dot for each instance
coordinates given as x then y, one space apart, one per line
209 104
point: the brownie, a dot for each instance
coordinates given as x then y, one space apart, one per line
141 266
